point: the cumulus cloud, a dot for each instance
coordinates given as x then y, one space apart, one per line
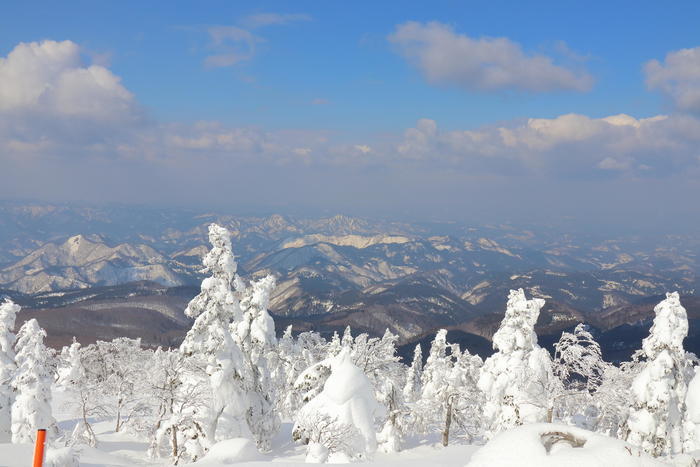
678 77
445 57
49 76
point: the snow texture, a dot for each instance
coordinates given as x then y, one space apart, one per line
553 445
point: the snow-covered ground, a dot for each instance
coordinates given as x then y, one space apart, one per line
125 449
530 445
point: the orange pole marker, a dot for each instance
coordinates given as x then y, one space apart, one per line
39 448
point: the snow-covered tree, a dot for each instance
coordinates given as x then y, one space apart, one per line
516 380
113 383
84 394
412 389
692 404
579 365
449 393
31 409
179 399
578 360
297 355
610 402
235 335
8 367
656 421
210 339
70 368
347 406
378 360
255 335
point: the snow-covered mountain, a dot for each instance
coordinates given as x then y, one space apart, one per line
81 262
338 270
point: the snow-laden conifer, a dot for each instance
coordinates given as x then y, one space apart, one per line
31 409
516 379
412 389
70 369
210 339
8 367
255 334
656 421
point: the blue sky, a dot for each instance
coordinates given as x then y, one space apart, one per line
332 94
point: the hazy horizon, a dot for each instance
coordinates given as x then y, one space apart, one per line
589 113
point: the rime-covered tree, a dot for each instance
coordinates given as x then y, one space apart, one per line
31 409
449 394
179 399
348 406
70 368
414 374
579 365
578 360
84 391
656 421
215 308
516 380
8 367
114 373
692 404
378 360
312 365
255 335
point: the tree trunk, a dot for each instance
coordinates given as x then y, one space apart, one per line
448 422
174 435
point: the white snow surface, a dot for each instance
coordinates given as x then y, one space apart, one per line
540 445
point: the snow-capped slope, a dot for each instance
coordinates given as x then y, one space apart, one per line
81 262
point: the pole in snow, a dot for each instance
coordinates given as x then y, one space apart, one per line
39 447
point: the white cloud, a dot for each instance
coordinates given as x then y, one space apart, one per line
65 124
678 77
445 57
49 77
571 145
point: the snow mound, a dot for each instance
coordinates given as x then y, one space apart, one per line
554 445
232 451
61 457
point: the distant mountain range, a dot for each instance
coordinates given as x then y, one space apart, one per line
332 272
